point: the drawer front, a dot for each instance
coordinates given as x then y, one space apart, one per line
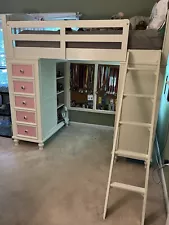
24 102
23 87
22 70
26 131
26 117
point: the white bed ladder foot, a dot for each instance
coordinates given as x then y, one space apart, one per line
133 155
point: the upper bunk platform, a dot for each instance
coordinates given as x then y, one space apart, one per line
34 39
96 40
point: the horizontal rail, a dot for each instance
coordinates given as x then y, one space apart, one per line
35 24
97 23
128 187
70 38
117 55
36 37
68 24
94 38
38 52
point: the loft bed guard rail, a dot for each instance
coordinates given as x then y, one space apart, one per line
95 40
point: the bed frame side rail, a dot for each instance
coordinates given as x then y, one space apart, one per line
11 36
98 54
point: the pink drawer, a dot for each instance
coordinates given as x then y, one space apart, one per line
26 131
24 102
27 117
23 86
22 70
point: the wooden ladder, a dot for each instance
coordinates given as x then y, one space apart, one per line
129 154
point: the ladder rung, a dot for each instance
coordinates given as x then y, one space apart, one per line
135 124
131 155
128 187
141 69
138 95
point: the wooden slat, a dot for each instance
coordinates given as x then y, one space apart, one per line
128 187
35 24
70 23
70 38
135 124
144 57
94 38
115 55
36 37
138 95
97 23
60 105
131 155
140 69
36 53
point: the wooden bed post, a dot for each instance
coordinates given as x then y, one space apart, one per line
165 49
62 42
6 34
125 37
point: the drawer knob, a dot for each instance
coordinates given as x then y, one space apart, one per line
23 87
24 103
21 71
26 131
25 118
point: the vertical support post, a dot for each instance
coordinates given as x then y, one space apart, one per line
62 42
125 37
95 86
7 40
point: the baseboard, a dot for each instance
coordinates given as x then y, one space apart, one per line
93 125
164 186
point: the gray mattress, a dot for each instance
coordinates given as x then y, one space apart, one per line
138 39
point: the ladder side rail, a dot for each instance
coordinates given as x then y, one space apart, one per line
115 137
151 142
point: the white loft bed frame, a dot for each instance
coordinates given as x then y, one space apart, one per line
11 23
63 52
138 58
18 22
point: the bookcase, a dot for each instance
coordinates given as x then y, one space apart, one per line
92 87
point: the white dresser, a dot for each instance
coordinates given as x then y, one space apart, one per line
34 102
